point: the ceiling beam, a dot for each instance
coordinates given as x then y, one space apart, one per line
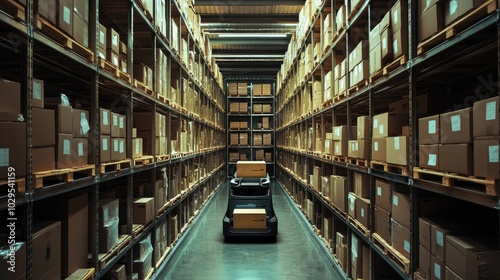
246 41
246 18
249 3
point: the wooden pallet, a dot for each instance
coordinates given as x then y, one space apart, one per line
459 25
121 244
114 70
327 103
391 168
360 227
14 9
392 253
162 258
339 97
316 154
83 274
41 179
143 8
327 156
417 276
395 64
59 36
114 166
143 160
358 162
140 85
162 158
137 229
450 179
163 99
19 184
355 9
377 75
149 275
357 86
339 159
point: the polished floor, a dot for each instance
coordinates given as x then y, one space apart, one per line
203 254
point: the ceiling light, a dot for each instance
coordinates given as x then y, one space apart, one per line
252 35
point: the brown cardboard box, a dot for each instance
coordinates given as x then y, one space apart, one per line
400 43
338 192
105 152
383 195
243 139
353 148
386 124
340 148
397 150
115 149
249 218
102 37
115 125
456 127
363 149
361 184
431 21
257 139
454 9
105 121
376 59
47 250
137 148
81 125
65 19
243 107
450 275
160 195
122 126
424 232
399 16
257 108
359 54
20 264
64 116
471 258
266 90
80 151
80 29
266 108
382 223
65 153
486 117
374 37
363 127
400 238
401 208
424 262
351 204
259 154
429 156
144 210
48 10
328 147
234 107
440 230
267 139
437 268
81 8
233 139
251 169
428 130
363 211
356 257
38 94
13 149
486 154
43 159
456 158
379 149
44 131
386 43
234 125
265 122
113 40
244 125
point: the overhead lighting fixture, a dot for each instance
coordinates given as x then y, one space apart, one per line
252 35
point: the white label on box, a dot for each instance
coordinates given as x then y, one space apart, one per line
455 123
66 147
337 131
67 15
453 7
384 43
381 129
395 17
432 160
122 122
80 149
105 118
102 37
362 212
115 120
354 247
37 90
428 2
116 145
122 147
105 144
432 127
4 157
137 147
356 146
493 154
375 146
395 200
116 62
491 110
395 45
375 123
407 246
379 191
396 144
352 200
337 149
327 145
437 271
439 238
115 40
84 123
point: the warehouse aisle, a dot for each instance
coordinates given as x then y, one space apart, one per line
204 255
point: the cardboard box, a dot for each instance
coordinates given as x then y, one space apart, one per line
48 10
359 53
386 124
456 158
13 149
113 40
353 148
456 127
36 100
401 238
450 275
65 18
424 232
81 8
363 127
105 121
115 125
144 210
424 262
81 125
251 169
471 258
428 130
64 115
340 148
454 9
437 268
243 139
363 211
383 195
429 156
257 108
137 148
43 159
356 257
47 250
386 44
486 114
267 139
243 107
351 203
105 149
257 139
108 236
115 149
44 130
233 138
102 44
400 43
397 150
234 125
379 149
20 264
122 126
80 29
486 157
361 184
249 218
80 151
376 59
338 186
382 223
439 232
430 21
401 208
64 156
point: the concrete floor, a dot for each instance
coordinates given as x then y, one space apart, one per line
203 254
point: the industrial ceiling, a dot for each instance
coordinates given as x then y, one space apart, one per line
249 38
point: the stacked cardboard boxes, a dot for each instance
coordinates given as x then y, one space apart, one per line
81 22
360 258
399 28
341 140
358 63
338 192
143 257
486 132
113 47
340 80
341 249
108 224
430 20
387 132
46 250
327 31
